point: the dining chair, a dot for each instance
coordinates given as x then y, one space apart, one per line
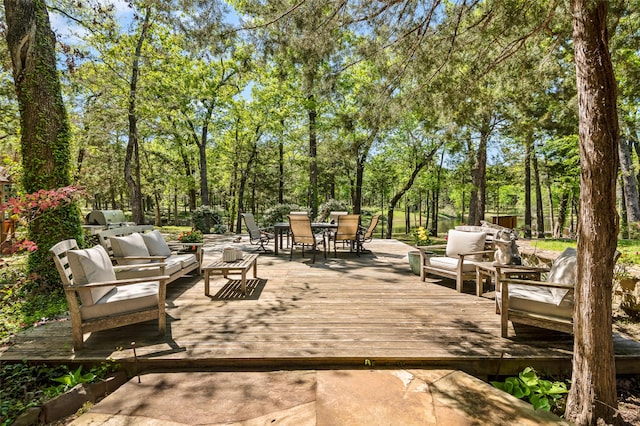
302 234
347 231
333 216
366 234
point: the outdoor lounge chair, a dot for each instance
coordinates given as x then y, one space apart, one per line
302 235
98 299
256 235
462 251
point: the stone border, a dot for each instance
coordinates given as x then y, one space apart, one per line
71 401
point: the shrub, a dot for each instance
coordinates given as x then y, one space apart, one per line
23 307
329 206
204 218
279 213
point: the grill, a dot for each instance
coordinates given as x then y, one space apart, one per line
107 219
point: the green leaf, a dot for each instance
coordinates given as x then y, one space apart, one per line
540 402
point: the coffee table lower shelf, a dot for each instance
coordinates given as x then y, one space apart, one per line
225 268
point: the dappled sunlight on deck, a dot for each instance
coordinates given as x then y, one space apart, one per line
338 312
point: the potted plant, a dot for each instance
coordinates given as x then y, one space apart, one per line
192 236
421 237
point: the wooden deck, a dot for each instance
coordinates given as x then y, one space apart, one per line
345 312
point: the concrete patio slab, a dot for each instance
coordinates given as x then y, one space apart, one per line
331 397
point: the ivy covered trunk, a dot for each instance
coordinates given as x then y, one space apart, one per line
592 399
44 125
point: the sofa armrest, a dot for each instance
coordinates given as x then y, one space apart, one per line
118 283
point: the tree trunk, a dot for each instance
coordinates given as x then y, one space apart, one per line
201 143
479 180
562 214
539 209
45 134
398 196
624 223
527 185
243 178
551 209
436 199
313 160
281 165
592 398
357 196
157 209
132 158
629 186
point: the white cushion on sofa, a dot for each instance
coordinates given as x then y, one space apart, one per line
185 259
460 242
156 245
130 245
172 266
563 271
128 298
91 266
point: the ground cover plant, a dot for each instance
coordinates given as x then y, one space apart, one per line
25 385
542 393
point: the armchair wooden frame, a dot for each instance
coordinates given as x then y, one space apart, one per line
507 314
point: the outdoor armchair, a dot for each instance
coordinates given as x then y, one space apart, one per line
547 304
462 251
98 299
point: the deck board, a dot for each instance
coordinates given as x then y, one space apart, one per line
339 312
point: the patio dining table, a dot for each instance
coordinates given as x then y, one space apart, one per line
283 228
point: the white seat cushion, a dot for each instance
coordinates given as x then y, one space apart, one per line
460 242
185 259
156 245
130 245
129 298
91 266
174 264
451 264
538 300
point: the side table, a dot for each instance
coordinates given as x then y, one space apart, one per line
489 270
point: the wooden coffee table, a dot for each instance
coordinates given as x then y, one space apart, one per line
226 268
